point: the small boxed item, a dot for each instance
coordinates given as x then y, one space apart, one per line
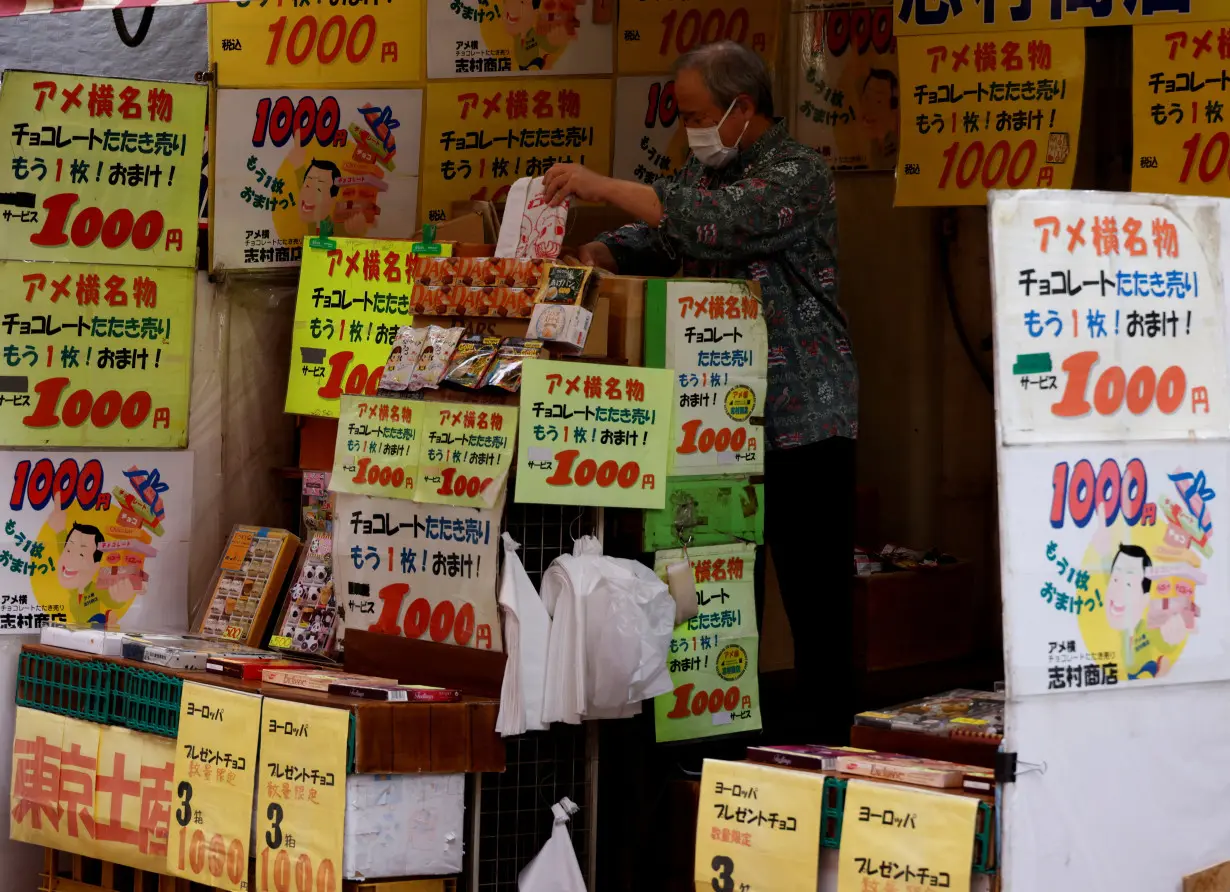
318 679
380 808
84 639
247 583
177 651
251 668
562 324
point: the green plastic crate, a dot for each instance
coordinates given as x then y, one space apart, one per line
148 701
80 689
833 810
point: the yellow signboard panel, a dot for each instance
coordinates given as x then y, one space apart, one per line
931 17
653 33
286 44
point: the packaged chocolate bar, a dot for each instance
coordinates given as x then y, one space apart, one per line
564 285
407 346
437 351
505 370
471 360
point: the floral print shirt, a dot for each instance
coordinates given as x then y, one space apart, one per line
769 215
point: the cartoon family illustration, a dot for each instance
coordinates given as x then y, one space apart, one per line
1151 583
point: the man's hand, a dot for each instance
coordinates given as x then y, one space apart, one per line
58 519
599 255
122 591
565 180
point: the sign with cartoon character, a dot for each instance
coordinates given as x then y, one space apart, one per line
100 538
474 38
308 620
292 166
1112 571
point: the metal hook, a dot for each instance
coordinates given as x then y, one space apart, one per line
576 522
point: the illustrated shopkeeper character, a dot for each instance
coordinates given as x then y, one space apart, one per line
77 568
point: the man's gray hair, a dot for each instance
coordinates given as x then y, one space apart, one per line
730 70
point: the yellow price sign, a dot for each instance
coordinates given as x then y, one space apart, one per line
215 773
759 828
467 452
1179 85
101 169
905 836
652 33
301 796
985 114
264 42
377 449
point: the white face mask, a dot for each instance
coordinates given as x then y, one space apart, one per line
706 142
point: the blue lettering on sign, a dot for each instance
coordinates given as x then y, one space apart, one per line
149 486
382 124
1196 495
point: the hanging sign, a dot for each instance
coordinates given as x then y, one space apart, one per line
593 435
90 538
308 46
1180 141
1109 317
649 143
291 165
905 837
481 136
95 355
214 785
377 450
925 17
100 170
425 572
301 794
759 828
983 115
652 33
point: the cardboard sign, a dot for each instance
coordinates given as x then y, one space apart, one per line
215 777
258 45
291 165
1110 317
758 828
593 435
906 836
377 451
301 794
95 538
96 355
100 170
652 33
983 115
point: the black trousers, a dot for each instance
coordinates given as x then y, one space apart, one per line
809 496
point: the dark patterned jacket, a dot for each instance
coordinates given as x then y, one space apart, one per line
769 215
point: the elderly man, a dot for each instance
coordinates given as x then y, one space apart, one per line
751 203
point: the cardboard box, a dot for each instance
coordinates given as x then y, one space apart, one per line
626 295
911 617
381 808
562 325
599 341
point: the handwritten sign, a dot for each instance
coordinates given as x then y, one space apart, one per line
1109 317
352 300
847 90
593 435
649 141
301 795
758 828
215 777
652 33
714 656
481 136
1180 140
467 451
377 451
100 170
988 114
906 836
94 355
473 38
290 164
718 346
256 45
918 17
425 573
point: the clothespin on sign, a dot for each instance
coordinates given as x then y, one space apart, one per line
325 239
428 245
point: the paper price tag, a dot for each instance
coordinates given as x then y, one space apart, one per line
301 798
467 451
377 452
215 773
758 830
906 836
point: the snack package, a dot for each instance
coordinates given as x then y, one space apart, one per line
505 370
564 285
471 361
407 346
433 360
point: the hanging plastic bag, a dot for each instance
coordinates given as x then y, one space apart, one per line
527 628
555 867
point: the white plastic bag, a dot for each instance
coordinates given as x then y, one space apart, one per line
555 867
527 628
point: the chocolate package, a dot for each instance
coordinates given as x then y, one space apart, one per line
564 285
434 358
471 360
505 370
403 357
